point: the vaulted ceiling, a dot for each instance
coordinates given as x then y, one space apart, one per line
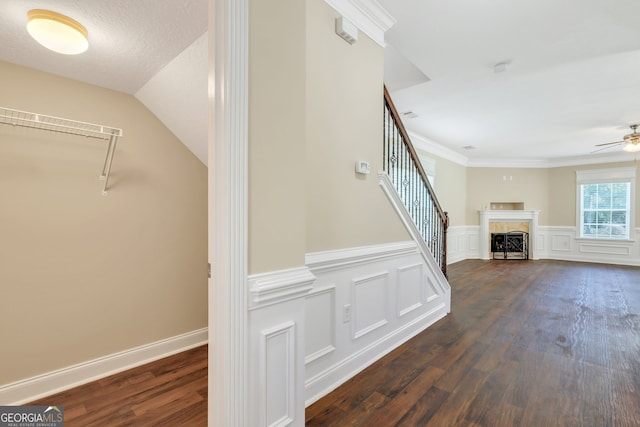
569 79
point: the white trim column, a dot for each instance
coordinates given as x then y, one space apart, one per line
227 178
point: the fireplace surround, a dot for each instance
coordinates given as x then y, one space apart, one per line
488 215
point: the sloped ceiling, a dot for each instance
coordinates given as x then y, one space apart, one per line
153 49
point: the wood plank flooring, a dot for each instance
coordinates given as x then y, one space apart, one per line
168 392
528 343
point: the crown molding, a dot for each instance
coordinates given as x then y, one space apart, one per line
550 163
370 18
426 145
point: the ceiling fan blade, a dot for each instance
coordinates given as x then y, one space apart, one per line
610 143
603 148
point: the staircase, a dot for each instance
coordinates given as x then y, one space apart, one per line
404 170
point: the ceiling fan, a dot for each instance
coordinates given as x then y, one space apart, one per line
631 141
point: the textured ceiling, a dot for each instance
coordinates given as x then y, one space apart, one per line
129 40
155 50
573 78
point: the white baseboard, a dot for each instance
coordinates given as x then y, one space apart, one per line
27 390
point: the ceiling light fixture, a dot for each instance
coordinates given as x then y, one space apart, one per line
633 140
632 147
57 32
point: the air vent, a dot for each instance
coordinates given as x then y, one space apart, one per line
410 114
469 147
346 30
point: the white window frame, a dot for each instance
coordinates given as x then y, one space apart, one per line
605 176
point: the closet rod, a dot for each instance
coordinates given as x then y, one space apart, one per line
26 119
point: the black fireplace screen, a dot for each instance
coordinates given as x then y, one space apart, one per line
512 245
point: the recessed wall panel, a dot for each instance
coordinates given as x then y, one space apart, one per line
560 243
320 324
370 299
278 373
410 289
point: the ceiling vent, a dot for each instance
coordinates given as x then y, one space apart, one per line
469 147
410 114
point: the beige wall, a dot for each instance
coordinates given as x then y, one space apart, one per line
315 108
450 188
562 196
486 185
551 190
85 275
277 76
562 192
344 124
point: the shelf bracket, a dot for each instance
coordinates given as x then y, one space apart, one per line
106 169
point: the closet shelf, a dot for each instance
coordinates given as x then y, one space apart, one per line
67 126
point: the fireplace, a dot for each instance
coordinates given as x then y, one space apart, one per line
511 245
515 215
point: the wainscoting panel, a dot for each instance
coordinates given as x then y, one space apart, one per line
563 243
560 242
411 289
370 300
370 296
567 245
462 243
605 249
277 303
432 290
277 356
320 312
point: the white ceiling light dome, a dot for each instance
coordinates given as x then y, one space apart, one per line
57 32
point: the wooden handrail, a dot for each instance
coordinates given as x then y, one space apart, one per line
444 216
412 151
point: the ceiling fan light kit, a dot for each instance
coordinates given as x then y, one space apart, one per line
57 32
631 142
632 147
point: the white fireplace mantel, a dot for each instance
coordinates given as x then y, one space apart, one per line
488 215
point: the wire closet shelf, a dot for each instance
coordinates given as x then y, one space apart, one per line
26 119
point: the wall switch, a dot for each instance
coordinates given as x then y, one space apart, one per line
346 313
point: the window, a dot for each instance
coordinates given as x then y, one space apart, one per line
605 201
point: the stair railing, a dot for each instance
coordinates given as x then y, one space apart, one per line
403 166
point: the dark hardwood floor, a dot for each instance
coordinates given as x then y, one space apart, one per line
168 392
528 343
